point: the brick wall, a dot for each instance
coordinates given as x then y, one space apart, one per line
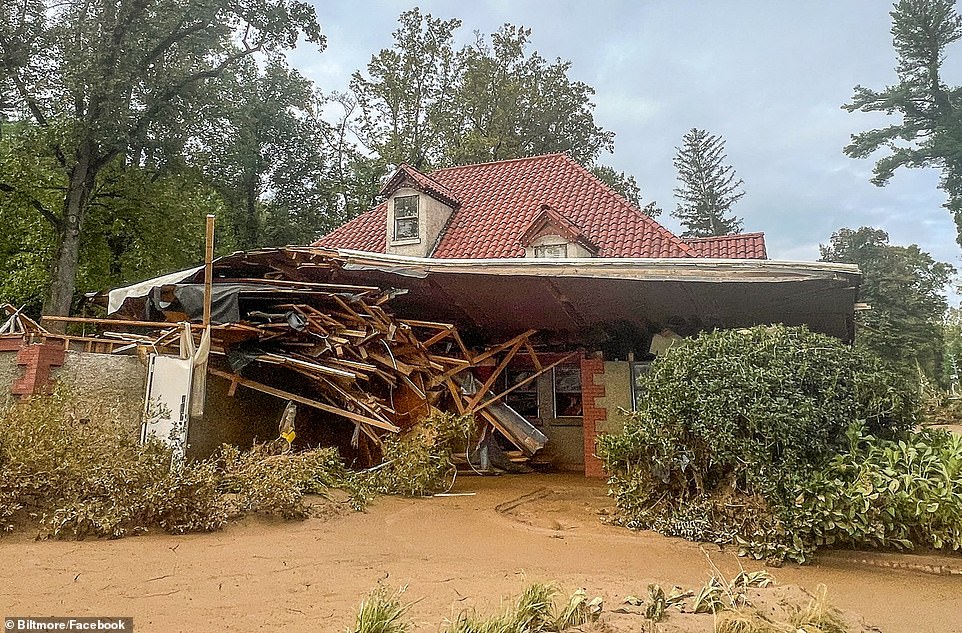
37 361
592 388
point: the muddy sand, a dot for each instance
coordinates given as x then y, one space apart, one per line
451 552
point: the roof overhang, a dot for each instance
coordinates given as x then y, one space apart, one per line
505 296
568 297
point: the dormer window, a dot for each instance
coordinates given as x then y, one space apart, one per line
551 250
406 222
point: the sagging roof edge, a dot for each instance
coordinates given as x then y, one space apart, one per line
641 269
675 268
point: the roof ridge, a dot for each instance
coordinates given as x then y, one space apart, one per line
724 237
502 161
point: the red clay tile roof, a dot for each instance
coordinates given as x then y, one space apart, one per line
741 246
500 200
405 174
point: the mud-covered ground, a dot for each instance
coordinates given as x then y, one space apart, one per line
451 552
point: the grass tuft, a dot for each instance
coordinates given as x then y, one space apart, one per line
383 612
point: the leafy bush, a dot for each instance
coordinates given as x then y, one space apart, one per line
96 479
419 463
882 493
733 422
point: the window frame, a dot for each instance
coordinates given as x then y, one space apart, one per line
408 215
513 375
543 251
555 392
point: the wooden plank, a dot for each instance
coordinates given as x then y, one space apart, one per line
208 268
476 398
280 393
533 354
533 376
455 395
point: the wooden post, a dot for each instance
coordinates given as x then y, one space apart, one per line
208 267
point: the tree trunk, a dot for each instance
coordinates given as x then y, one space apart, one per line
63 270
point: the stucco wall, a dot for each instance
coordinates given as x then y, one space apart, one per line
432 216
617 382
105 385
102 386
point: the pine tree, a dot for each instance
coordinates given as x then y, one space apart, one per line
708 186
930 131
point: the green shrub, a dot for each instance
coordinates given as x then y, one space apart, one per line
886 494
94 478
418 463
733 422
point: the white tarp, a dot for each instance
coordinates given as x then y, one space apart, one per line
142 288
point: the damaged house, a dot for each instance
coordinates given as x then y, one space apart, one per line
526 292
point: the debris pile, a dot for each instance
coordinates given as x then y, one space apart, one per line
330 346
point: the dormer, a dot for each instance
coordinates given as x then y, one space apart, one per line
418 209
550 234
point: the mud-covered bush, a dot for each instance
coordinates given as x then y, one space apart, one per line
257 481
419 462
94 478
734 421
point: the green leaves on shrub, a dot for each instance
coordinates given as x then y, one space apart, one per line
419 463
882 493
96 479
733 423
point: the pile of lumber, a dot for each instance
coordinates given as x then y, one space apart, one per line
358 361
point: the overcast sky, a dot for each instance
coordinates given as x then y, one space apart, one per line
767 75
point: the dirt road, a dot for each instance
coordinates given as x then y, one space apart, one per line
451 552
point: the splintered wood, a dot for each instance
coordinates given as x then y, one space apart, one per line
298 335
360 363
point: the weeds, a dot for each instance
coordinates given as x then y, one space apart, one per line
535 611
815 617
382 612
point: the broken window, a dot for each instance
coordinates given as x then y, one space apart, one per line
551 250
406 218
567 392
524 399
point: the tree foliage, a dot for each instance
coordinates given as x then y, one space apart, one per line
930 131
428 103
708 186
904 287
105 81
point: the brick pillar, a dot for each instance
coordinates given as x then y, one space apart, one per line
37 360
592 387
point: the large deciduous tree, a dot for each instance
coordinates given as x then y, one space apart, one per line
930 131
904 287
104 79
708 187
429 103
273 159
